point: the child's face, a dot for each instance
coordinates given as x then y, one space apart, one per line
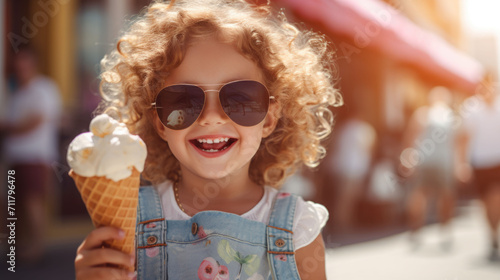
211 62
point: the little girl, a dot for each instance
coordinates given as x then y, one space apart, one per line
230 100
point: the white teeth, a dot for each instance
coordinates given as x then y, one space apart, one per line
213 150
211 141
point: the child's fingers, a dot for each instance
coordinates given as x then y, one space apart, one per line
97 257
99 235
107 273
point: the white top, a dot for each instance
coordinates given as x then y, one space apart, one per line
483 125
309 218
40 97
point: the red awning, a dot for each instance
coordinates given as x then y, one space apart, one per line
375 24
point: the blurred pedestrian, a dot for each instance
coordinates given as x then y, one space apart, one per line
31 129
430 156
351 160
482 122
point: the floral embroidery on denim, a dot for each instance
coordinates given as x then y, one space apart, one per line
152 252
210 269
282 258
249 263
201 232
151 225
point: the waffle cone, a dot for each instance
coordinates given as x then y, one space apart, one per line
111 203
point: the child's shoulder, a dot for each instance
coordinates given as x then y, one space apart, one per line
309 220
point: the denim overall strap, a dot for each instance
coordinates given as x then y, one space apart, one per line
280 251
150 236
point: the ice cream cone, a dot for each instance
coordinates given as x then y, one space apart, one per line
111 203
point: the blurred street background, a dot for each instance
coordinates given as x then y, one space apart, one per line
391 257
395 60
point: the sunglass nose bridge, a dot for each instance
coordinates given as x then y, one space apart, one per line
213 112
207 90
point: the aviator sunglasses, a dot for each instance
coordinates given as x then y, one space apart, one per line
245 102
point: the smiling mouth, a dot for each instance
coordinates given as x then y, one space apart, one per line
213 145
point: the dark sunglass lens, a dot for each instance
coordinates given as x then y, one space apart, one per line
179 106
245 102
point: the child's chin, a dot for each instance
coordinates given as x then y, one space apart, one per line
215 172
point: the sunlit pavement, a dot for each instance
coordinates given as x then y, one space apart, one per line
393 258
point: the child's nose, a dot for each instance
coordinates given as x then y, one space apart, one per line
212 114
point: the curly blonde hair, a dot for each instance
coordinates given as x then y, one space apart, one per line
297 66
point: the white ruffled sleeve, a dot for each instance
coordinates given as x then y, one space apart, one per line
309 220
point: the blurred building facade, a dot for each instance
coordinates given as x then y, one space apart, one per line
484 47
389 55
70 38
441 17
444 19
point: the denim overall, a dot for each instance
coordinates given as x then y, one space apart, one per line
213 244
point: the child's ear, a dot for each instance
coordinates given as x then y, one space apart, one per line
271 120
